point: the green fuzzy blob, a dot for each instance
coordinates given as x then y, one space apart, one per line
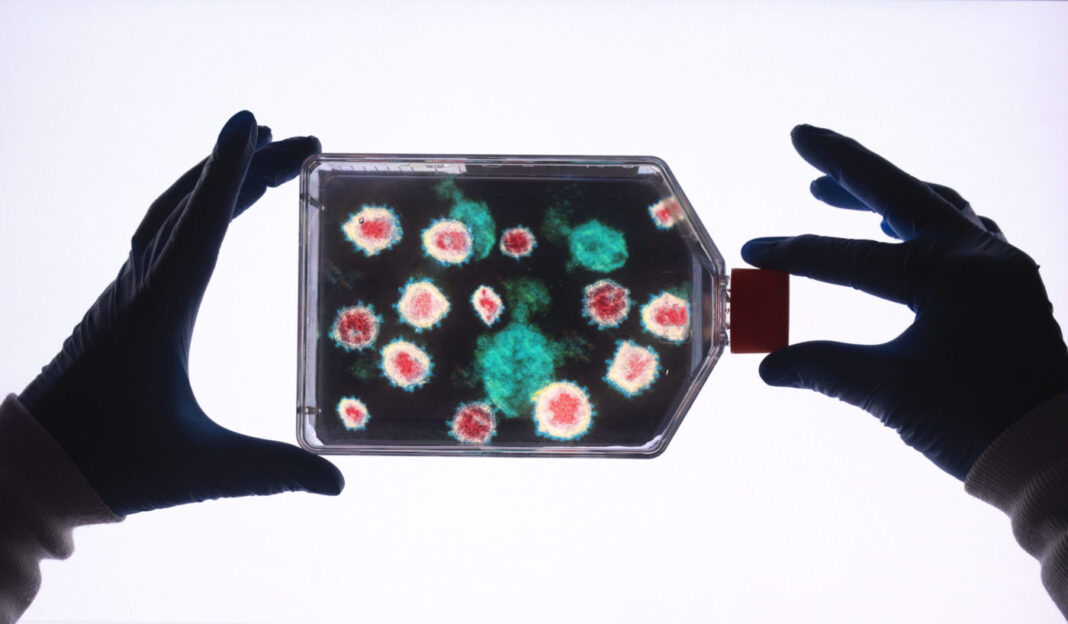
515 363
556 225
365 369
525 297
447 189
597 247
476 216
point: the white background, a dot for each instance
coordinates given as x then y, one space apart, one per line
770 505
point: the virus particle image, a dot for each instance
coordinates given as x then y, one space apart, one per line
633 368
448 241
605 303
667 317
373 229
487 304
597 247
356 327
421 304
666 212
513 363
406 365
353 413
473 423
518 242
562 411
526 297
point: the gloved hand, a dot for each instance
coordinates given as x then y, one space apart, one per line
984 348
117 397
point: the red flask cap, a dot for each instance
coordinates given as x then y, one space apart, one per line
760 310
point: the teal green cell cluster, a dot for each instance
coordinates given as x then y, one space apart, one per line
556 224
474 214
597 247
515 363
525 297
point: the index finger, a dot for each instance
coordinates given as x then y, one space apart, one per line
909 205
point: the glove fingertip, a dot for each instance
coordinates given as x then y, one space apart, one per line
758 251
263 136
326 480
313 473
814 189
889 231
774 369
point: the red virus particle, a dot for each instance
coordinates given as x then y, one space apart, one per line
373 229
487 304
406 365
353 413
422 305
448 241
666 212
606 303
518 242
667 316
633 368
356 327
562 411
473 423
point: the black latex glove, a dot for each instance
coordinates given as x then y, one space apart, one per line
984 348
117 397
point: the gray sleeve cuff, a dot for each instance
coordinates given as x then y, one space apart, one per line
43 496
1024 473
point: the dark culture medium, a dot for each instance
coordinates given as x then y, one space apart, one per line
485 312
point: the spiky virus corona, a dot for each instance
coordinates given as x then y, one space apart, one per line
518 242
356 327
473 423
633 368
487 304
406 365
667 316
422 305
353 413
666 213
448 241
373 229
562 411
605 303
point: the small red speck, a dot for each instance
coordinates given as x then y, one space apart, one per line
487 304
354 413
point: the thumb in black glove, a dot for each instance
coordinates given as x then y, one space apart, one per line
117 397
984 348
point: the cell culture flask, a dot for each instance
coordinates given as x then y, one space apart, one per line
507 305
